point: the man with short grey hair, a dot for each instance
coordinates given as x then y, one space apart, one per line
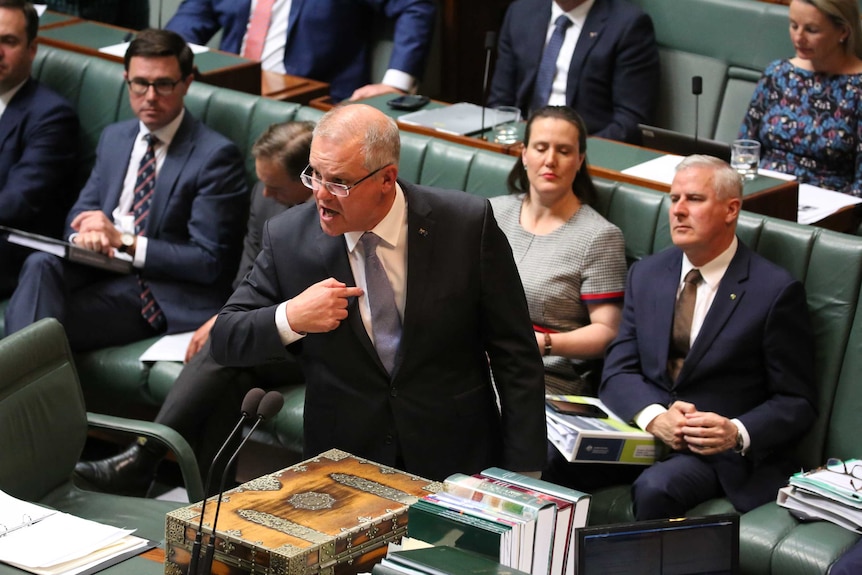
715 356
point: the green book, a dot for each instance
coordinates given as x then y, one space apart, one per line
438 525
447 561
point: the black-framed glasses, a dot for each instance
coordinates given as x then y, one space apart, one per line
854 471
339 190
139 86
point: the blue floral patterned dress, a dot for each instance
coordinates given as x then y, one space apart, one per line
809 124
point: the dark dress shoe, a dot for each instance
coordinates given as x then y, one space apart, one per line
128 473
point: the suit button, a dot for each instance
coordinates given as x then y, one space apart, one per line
388 440
393 392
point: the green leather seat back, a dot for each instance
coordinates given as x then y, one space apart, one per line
734 105
488 173
43 422
446 165
676 104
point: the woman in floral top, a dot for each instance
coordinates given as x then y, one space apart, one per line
807 111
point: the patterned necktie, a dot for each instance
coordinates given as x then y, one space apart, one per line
682 315
257 28
548 66
385 321
145 185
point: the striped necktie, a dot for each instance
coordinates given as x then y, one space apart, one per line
145 185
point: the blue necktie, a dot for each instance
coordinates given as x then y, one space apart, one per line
145 185
548 65
385 321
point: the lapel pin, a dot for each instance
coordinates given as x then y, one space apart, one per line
423 232
732 296
593 34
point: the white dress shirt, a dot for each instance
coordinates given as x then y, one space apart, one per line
578 16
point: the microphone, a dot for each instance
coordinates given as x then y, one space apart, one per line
269 406
490 43
249 409
696 90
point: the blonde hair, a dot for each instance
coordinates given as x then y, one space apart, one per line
844 14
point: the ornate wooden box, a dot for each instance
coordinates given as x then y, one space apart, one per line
330 515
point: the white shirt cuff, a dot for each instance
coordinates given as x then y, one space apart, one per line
398 79
140 252
647 414
285 332
746 439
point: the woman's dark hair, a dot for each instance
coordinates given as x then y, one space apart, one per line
583 186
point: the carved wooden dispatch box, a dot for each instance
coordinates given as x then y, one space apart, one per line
330 515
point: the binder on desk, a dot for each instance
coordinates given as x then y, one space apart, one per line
460 119
66 250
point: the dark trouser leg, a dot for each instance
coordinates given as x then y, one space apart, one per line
674 485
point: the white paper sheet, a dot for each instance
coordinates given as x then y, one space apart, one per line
40 9
119 50
660 169
169 348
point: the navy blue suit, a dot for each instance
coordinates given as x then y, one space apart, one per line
194 238
614 72
327 40
437 413
752 360
38 139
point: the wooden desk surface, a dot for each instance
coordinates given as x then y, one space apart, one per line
214 66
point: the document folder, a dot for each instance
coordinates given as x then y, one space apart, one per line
66 250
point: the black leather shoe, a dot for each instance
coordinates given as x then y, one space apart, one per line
128 473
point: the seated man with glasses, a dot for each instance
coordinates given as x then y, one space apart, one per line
167 193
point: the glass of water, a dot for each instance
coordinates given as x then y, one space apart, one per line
745 157
506 119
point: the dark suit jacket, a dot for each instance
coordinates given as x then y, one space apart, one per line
38 139
613 76
262 208
465 304
195 227
328 40
753 360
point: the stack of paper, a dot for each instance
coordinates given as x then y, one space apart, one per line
829 493
48 542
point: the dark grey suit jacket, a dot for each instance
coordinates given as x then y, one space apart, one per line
465 306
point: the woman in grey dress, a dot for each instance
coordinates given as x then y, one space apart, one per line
571 260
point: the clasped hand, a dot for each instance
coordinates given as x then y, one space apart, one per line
96 232
321 307
684 428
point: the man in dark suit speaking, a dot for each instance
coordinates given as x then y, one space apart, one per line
715 356
399 301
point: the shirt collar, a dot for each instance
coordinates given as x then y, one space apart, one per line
389 228
166 133
7 96
577 15
714 270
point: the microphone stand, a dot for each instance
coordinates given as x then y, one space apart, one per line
490 41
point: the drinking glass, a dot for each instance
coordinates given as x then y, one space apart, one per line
744 157
506 119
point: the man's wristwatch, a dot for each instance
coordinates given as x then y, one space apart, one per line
740 444
127 240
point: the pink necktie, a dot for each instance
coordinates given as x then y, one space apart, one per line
257 29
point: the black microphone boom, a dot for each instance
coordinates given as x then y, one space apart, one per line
269 406
697 90
250 404
490 43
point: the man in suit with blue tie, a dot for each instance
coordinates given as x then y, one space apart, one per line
597 56
166 191
715 356
38 138
327 40
399 302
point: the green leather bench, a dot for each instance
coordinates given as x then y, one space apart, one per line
726 42
829 264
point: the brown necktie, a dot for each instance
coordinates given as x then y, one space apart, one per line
682 315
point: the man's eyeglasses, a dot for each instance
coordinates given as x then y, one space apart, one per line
140 87
854 471
340 190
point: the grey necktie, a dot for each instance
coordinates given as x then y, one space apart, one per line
385 321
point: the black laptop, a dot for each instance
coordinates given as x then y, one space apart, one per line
684 546
682 144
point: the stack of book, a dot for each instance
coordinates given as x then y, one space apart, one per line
443 560
48 542
832 493
518 521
